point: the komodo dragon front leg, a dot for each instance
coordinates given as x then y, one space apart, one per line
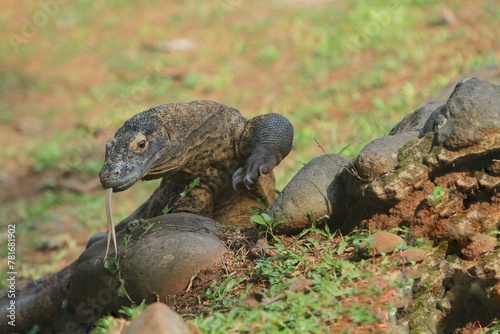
266 140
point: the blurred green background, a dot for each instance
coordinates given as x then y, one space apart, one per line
344 72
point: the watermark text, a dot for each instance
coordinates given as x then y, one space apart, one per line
11 274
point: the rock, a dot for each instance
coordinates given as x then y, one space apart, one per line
383 242
453 292
413 255
313 193
478 245
412 271
391 179
490 267
471 115
171 251
381 155
396 170
262 247
157 318
429 125
417 120
460 156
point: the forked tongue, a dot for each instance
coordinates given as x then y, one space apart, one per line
111 224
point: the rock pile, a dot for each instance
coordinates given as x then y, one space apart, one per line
437 173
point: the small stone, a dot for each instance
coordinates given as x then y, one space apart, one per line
383 242
349 249
413 255
158 318
478 245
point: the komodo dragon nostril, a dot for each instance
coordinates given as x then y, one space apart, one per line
116 173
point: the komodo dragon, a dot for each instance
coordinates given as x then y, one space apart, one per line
179 142
232 156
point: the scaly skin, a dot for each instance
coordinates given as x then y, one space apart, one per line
232 156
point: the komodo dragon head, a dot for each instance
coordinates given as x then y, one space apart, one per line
137 152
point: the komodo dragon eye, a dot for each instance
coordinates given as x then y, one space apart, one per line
140 143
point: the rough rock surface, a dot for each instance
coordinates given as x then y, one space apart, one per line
453 293
417 120
381 155
470 117
478 245
413 255
384 184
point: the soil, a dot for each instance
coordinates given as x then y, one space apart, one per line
437 222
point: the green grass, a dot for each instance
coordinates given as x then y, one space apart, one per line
333 297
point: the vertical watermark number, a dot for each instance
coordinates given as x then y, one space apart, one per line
11 274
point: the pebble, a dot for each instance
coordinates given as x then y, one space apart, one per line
413 255
158 318
383 242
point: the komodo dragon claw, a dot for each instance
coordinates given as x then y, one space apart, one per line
248 176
